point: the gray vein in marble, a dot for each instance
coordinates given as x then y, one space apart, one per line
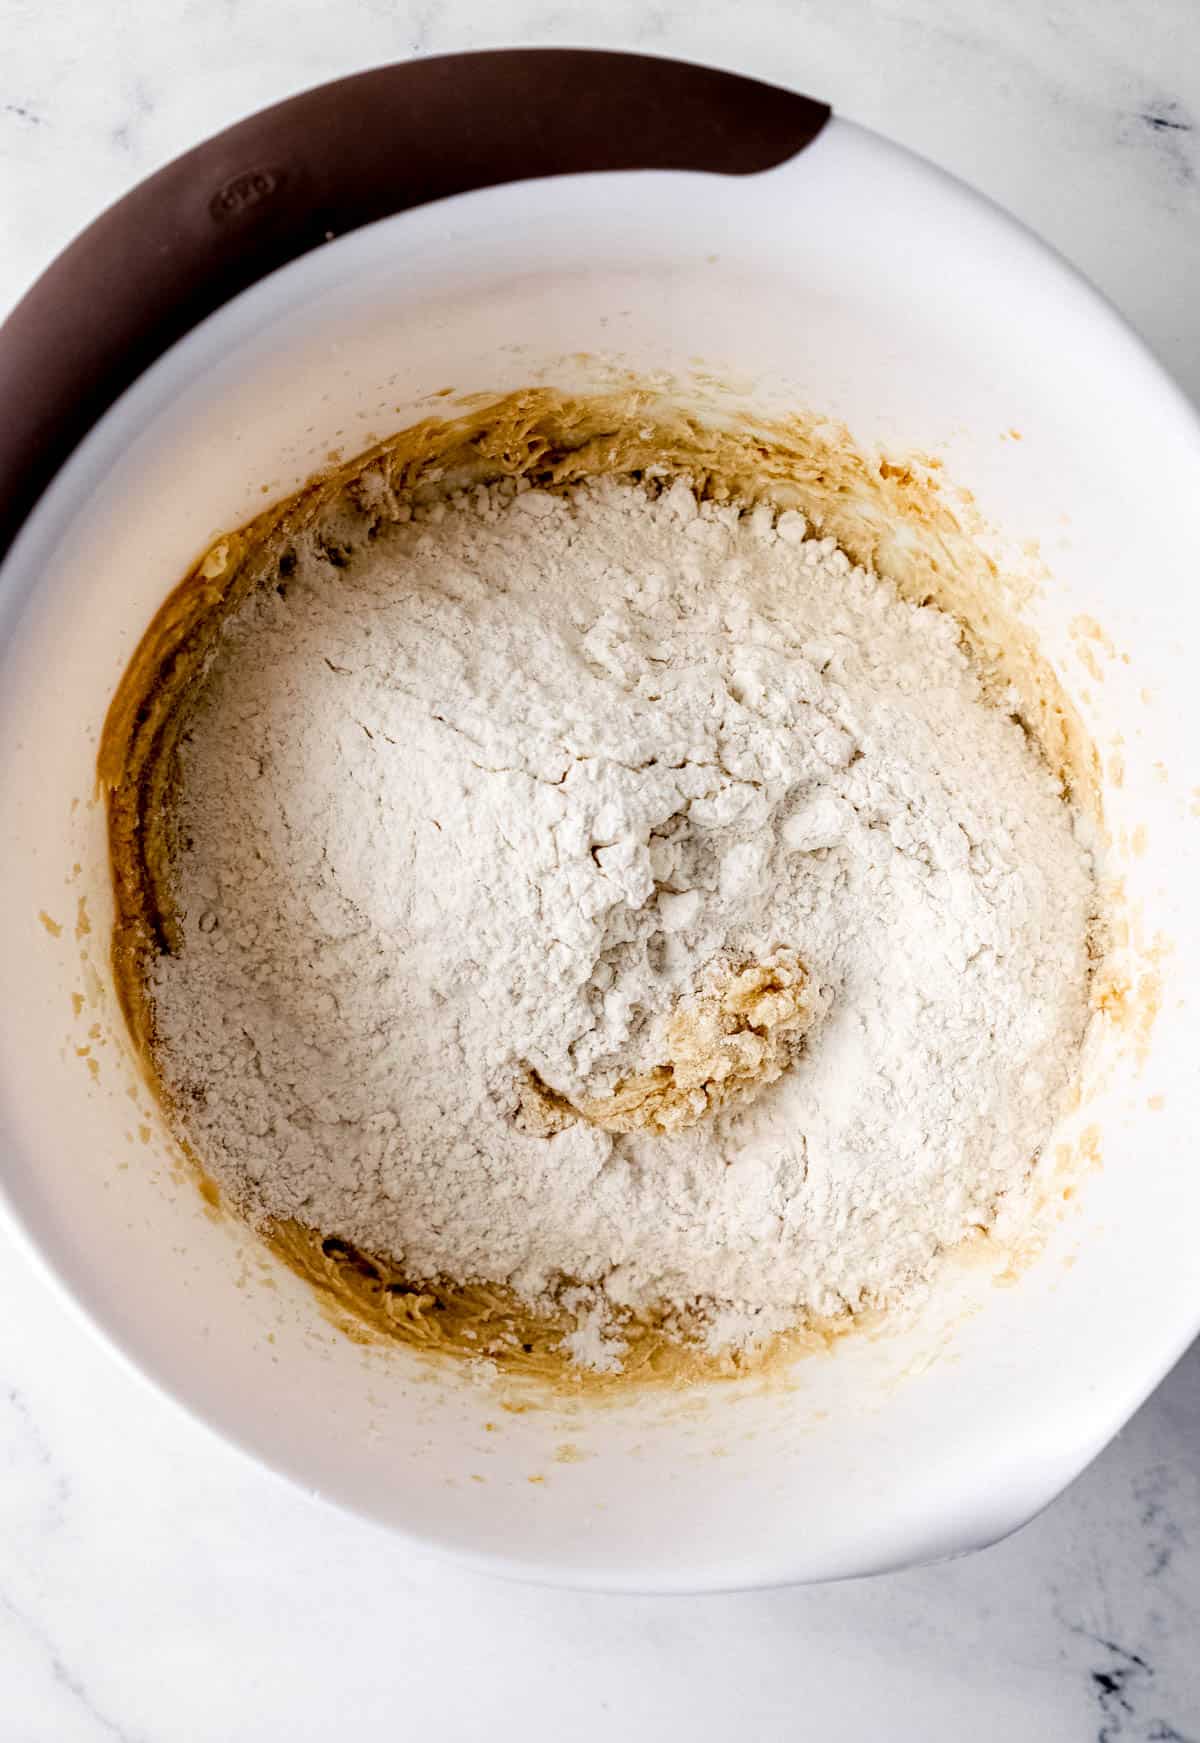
1169 135
20 112
26 1433
63 1676
1123 1689
1166 123
141 106
1154 1494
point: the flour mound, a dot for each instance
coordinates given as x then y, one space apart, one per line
489 809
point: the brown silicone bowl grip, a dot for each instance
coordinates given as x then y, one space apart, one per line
261 193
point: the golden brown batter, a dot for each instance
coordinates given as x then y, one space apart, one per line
892 518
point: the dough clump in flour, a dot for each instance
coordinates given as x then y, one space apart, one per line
724 1043
618 897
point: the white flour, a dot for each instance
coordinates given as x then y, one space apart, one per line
488 801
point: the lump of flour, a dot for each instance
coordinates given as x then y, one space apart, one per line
617 897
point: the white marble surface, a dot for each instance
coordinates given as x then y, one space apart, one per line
155 1585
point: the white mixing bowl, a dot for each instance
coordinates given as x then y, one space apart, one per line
846 278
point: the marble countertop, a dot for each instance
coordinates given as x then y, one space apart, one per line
156 1586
